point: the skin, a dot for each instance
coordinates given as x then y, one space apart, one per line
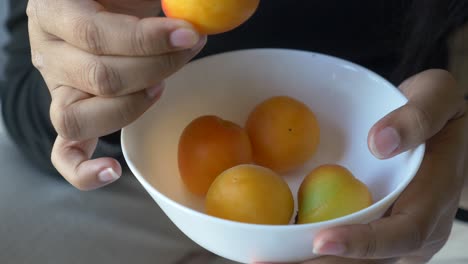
416 227
101 80
419 223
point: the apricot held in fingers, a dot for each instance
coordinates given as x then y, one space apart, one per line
211 16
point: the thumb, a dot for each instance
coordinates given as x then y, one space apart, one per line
433 100
72 159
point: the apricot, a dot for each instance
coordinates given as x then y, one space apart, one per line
211 16
331 191
208 146
250 194
284 133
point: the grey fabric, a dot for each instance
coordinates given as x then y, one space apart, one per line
3 35
44 220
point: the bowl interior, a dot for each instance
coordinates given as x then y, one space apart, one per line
346 98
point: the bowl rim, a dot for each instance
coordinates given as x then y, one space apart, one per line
332 222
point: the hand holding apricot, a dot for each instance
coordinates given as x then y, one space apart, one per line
104 63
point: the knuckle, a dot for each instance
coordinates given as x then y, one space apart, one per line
65 121
371 246
146 40
54 157
440 243
127 112
451 89
442 73
422 120
78 184
449 80
418 241
72 178
75 181
37 60
418 236
170 63
89 34
101 79
31 9
139 40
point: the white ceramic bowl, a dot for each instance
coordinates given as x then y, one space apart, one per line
347 99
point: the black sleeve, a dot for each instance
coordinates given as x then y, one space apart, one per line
26 99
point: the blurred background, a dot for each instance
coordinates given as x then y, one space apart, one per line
459 57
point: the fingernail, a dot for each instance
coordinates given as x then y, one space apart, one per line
329 248
184 38
108 175
155 91
385 142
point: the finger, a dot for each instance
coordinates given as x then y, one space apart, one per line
110 75
403 233
339 260
74 114
87 25
417 213
433 100
72 161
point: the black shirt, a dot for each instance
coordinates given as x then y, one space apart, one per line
367 32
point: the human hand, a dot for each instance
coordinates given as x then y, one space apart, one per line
419 223
104 63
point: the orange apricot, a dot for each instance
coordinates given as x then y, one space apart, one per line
208 146
250 194
331 191
211 16
284 133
